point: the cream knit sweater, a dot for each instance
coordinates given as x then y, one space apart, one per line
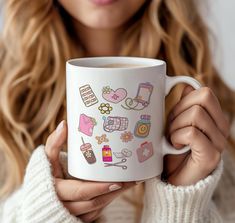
210 200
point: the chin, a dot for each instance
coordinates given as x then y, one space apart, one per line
97 24
102 14
103 21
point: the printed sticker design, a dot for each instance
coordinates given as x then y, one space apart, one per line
107 154
142 127
105 108
114 96
142 99
101 139
125 153
117 164
86 124
106 90
88 95
126 136
88 153
112 124
145 151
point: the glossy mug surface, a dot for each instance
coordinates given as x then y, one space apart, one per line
115 114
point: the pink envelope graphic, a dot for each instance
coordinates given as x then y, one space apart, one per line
86 124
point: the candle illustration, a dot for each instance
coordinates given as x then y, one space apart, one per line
88 153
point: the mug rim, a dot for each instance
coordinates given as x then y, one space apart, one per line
142 62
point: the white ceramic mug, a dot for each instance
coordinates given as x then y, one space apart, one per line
115 114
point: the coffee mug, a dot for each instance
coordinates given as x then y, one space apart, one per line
115 114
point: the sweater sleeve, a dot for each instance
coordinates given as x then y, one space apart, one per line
183 204
36 200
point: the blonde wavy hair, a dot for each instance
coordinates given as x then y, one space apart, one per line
38 37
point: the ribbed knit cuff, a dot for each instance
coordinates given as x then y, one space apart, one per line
181 204
40 202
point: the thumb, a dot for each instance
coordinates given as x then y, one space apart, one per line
53 147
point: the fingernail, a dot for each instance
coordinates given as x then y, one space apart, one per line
114 187
60 127
139 182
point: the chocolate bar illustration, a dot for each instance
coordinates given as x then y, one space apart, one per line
87 95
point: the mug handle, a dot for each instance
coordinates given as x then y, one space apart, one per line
167 148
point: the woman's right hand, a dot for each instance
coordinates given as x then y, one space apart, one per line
83 199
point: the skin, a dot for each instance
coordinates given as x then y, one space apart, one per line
100 27
82 198
196 120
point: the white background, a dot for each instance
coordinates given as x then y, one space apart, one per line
221 19
220 16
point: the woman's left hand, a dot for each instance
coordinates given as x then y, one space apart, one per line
196 120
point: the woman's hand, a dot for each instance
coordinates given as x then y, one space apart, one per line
196 120
82 198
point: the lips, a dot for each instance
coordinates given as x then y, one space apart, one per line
103 2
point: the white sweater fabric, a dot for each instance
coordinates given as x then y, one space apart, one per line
36 200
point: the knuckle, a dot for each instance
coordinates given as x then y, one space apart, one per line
192 132
207 94
98 202
197 113
80 194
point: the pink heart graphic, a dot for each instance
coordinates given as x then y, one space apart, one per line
115 96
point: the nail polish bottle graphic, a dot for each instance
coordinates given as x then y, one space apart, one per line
107 154
88 153
142 127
